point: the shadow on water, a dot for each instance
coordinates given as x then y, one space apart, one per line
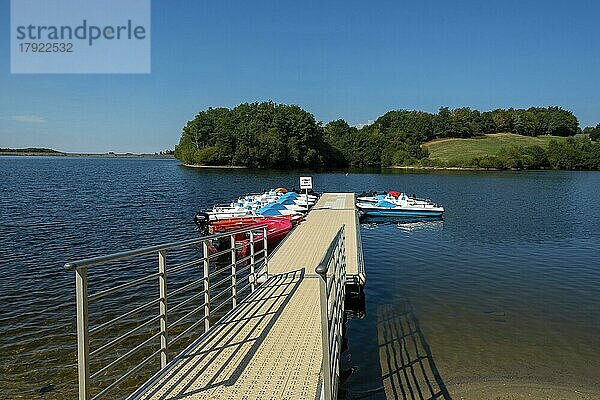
355 305
407 365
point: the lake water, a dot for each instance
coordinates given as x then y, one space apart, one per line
503 293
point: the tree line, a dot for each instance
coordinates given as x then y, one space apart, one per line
271 135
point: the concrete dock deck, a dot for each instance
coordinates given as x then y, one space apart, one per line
269 346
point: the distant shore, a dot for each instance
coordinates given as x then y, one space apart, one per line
103 155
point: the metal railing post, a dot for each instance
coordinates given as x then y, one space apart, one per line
83 342
266 266
326 367
252 272
343 251
233 272
206 287
162 283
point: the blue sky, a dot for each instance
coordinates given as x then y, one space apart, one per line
339 59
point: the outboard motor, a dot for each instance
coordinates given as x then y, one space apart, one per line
201 220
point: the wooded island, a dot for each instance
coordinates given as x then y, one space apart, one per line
271 135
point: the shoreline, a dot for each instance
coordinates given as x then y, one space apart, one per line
213 166
453 168
502 389
347 169
420 167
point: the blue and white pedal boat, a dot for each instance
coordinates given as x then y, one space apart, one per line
384 208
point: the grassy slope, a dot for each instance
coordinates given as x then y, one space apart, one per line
459 151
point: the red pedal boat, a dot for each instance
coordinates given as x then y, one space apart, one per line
277 229
231 224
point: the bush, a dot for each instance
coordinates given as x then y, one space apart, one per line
207 156
574 154
491 162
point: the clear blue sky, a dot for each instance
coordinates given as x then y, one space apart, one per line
337 59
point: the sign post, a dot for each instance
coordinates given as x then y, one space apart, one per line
306 183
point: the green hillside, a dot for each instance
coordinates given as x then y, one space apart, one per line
458 152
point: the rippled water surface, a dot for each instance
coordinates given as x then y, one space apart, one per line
505 288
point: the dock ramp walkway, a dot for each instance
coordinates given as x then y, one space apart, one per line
271 345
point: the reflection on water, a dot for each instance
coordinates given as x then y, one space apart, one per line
421 225
404 224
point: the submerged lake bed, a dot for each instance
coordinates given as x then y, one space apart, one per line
501 298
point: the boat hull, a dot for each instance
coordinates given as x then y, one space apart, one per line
401 213
277 229
233 224
374 210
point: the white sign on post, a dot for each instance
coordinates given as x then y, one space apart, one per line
306 182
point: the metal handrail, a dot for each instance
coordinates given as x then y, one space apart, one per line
332 292
88 262
200 300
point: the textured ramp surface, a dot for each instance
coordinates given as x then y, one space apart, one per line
305 246
269 348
